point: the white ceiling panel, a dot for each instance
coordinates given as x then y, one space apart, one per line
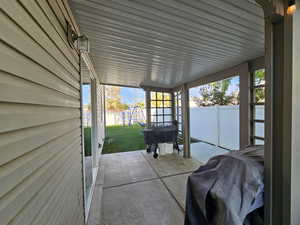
165 43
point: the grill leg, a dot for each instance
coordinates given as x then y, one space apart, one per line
177 146
155 154
148 149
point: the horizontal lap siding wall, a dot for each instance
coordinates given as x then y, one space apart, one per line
40 144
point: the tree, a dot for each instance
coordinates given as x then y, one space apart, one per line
259 79
113 99
89 107
140 104
215 93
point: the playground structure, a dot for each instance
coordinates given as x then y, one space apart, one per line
133 115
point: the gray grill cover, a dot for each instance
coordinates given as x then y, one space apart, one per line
226 189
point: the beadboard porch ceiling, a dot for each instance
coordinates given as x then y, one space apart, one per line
165 43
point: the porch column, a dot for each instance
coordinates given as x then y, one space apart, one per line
244 106
279 106
173 106
104 110
148 108
186 122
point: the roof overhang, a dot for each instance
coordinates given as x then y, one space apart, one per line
165 43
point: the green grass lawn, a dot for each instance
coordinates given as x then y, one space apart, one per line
87 141
120 139
123 139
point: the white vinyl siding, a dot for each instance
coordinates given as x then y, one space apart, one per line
40 134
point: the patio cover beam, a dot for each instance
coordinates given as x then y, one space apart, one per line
157 89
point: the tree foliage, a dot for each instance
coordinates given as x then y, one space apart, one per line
216 93
114 102
113 99
259 79
140 104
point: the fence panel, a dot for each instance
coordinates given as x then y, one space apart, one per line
218 125
229 127
204 124
125 117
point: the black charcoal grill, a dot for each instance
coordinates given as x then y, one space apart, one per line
160 134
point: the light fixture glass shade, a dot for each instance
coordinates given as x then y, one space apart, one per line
83 43
291 9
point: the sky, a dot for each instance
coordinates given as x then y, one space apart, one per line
133 95
86 94
194 92
128 95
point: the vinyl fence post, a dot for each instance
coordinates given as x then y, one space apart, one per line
218 125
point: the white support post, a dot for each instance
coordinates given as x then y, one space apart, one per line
104 110
95 141
82 143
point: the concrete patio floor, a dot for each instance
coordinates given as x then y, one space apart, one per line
203 152
133 188
141 190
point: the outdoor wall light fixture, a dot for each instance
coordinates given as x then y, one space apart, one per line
291 7
82 42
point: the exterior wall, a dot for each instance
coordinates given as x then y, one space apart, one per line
218 125
40 144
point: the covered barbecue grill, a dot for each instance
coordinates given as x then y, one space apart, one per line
160 134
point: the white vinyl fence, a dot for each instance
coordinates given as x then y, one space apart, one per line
125 117
87 118
219 125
